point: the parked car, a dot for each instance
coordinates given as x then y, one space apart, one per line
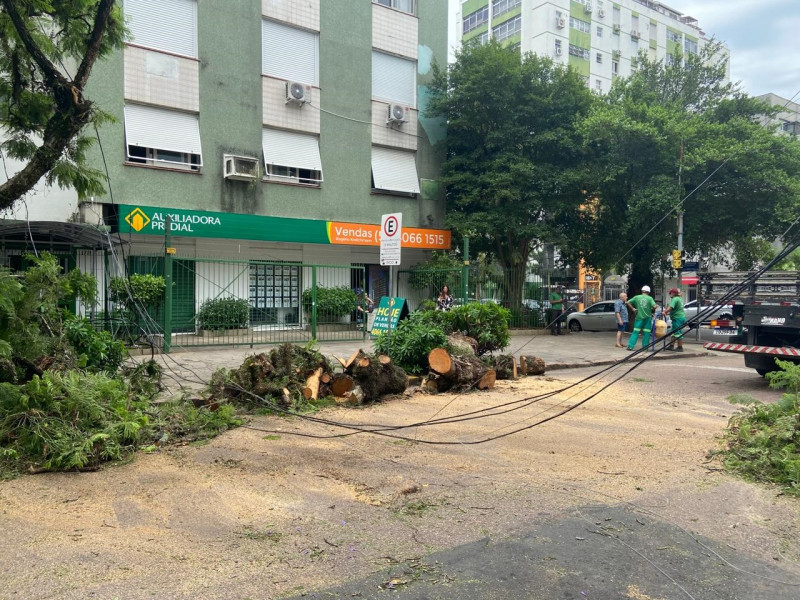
598 317
720 311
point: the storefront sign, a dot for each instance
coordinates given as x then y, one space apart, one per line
388 314
191 223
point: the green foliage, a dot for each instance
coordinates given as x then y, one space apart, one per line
96 349
427 305
486 323
43 109
224 313
515 165
763 440
659 136
137 290
411 342
332 303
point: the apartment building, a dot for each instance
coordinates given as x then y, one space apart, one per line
787 121
600 39
264 130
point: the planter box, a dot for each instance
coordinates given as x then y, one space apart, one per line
225 333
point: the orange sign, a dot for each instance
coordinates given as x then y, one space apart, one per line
360 234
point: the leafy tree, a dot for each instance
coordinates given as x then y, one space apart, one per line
42 106
514 163
669 131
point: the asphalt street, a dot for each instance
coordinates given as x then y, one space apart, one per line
601 550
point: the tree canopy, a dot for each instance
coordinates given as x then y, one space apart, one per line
676 136
514 163
47 51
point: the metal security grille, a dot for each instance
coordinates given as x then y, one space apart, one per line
237 302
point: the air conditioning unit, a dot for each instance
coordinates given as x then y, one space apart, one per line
558 51
398 114
616 28
561 22
297 93
240 168
634 34
601 12
587 7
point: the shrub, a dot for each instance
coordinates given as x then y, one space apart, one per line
223 313
142 290
486 323
763 440
411 342
427 305
95 349
332 303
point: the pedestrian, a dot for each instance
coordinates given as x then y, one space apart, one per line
364 304
678 316
445 300
643 306
556 310
621 313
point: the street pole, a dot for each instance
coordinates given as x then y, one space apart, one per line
168 251
680 220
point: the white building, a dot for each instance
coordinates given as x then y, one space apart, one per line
599 38
787 120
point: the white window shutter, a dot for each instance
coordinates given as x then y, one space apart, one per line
166 25
394 170
289 53
290 149
394 79
162 129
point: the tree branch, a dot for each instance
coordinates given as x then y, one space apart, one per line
101 19
51 74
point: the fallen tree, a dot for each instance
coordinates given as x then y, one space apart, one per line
457 372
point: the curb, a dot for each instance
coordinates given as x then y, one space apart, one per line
601 363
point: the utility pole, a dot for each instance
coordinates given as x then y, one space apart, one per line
680 220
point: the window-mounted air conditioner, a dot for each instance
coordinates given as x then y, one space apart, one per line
397 114
558 51
601 12
634 34
561 22
240 168
587 7
297 93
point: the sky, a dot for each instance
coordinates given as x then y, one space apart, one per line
763 37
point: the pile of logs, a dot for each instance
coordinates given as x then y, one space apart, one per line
366 378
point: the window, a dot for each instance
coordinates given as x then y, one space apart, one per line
162 138
291 157
580 25
165 25
507 29
482 38
673 36
615 67
690 46
790 127
598 85
615 17
476 19
578 51
599 58
394 79
653 31
599 31
289 53
558 47
394 170
501 7
402 5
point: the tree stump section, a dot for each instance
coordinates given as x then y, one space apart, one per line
531 365
462 345
505 365
459 371
377 376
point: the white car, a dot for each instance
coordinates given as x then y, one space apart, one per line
719 311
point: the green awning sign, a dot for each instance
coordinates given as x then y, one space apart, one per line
388 314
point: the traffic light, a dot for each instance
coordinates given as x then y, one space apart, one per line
677 259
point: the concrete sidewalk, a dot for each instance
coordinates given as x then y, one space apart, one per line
571 350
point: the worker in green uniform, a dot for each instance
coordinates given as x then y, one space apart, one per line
678 316
643 307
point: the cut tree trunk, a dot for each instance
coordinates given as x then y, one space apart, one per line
311 389
377 376
505 365
486 382
531 365
458 371
462 345
341 385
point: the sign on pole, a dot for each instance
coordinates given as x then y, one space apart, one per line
391 236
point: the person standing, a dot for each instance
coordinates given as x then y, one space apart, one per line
621 314
643 306
556 310
445 299
678 316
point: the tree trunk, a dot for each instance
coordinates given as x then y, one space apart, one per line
505 365
455 371
531 365
378 377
